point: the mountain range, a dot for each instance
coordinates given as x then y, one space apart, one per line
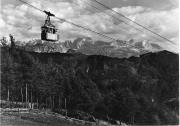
87 46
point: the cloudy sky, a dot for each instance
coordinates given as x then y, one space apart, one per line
160 16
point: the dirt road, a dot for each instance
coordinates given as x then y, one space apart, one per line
16 121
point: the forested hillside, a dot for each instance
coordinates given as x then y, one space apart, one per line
142 90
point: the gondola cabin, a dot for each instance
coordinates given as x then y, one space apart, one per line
48 30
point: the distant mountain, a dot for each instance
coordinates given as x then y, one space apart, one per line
148 46
114 49
78 43
89 47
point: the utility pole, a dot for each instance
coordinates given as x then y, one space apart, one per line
12 41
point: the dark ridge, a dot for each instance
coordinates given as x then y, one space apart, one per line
136 90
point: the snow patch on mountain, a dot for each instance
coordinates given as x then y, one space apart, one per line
87 46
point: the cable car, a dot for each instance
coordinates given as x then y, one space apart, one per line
48 30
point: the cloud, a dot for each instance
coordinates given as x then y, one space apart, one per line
174 2
130 10
164 22
25 22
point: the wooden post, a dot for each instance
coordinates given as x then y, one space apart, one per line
59 102
133 119
53 101
31 99
108 119
26 95
8 98
37 103
50 102
8 95
46 103
22 96
65 107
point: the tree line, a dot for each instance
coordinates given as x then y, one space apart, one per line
129 90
